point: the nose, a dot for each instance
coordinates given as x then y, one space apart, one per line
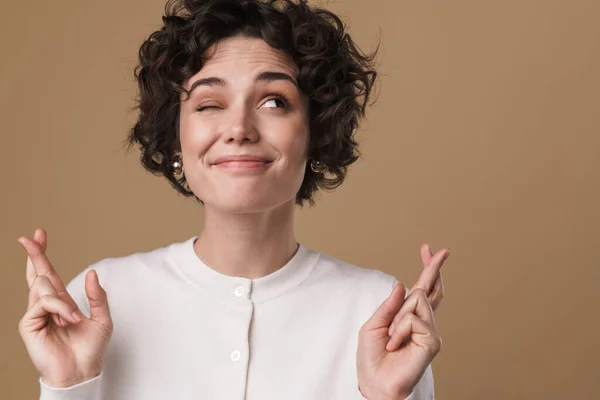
241 128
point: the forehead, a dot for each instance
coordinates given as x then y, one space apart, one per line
237 57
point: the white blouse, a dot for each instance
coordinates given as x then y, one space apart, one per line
184 331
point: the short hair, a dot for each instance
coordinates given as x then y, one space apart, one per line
334 74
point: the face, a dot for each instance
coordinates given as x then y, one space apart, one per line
244 130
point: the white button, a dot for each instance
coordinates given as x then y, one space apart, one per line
239 291
235 356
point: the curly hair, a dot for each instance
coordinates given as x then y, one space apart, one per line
334 74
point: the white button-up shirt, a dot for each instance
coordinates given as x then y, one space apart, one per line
184 331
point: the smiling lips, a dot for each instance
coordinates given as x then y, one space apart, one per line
241 162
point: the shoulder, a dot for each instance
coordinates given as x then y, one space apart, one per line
131 267
346 270
364 283
156 259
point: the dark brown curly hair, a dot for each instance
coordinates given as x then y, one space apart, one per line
334 74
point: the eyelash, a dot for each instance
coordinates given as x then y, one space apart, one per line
281 97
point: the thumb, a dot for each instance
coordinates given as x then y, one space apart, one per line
97 298
383 317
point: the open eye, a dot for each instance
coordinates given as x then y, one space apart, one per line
277 102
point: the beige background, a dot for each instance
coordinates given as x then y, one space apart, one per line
485 139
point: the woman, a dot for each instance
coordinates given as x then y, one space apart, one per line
250 107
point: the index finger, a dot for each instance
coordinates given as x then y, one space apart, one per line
431 272
41 263
40 237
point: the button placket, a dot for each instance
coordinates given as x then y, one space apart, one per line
242 293
239 291
242 290
235 355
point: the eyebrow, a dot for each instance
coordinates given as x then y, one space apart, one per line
267 76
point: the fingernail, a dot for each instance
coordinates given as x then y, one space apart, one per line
388 346
61 320
77 315
391 330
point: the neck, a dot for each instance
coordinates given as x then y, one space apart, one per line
247 245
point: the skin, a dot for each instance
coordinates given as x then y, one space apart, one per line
245 106
64 346
248 227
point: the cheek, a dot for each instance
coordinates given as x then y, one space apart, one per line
195 138
298 148
296 157
292 141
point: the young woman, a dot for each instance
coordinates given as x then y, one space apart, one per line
250 107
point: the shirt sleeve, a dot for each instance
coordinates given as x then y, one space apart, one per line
410 397
90 389
424 389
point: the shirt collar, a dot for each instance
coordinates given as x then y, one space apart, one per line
232 289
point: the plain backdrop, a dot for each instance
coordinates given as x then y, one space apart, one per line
485 139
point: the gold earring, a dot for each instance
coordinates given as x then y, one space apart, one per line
177 165
317 166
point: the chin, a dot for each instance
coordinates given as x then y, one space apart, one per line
247 203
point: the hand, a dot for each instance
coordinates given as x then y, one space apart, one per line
65 347
391 359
